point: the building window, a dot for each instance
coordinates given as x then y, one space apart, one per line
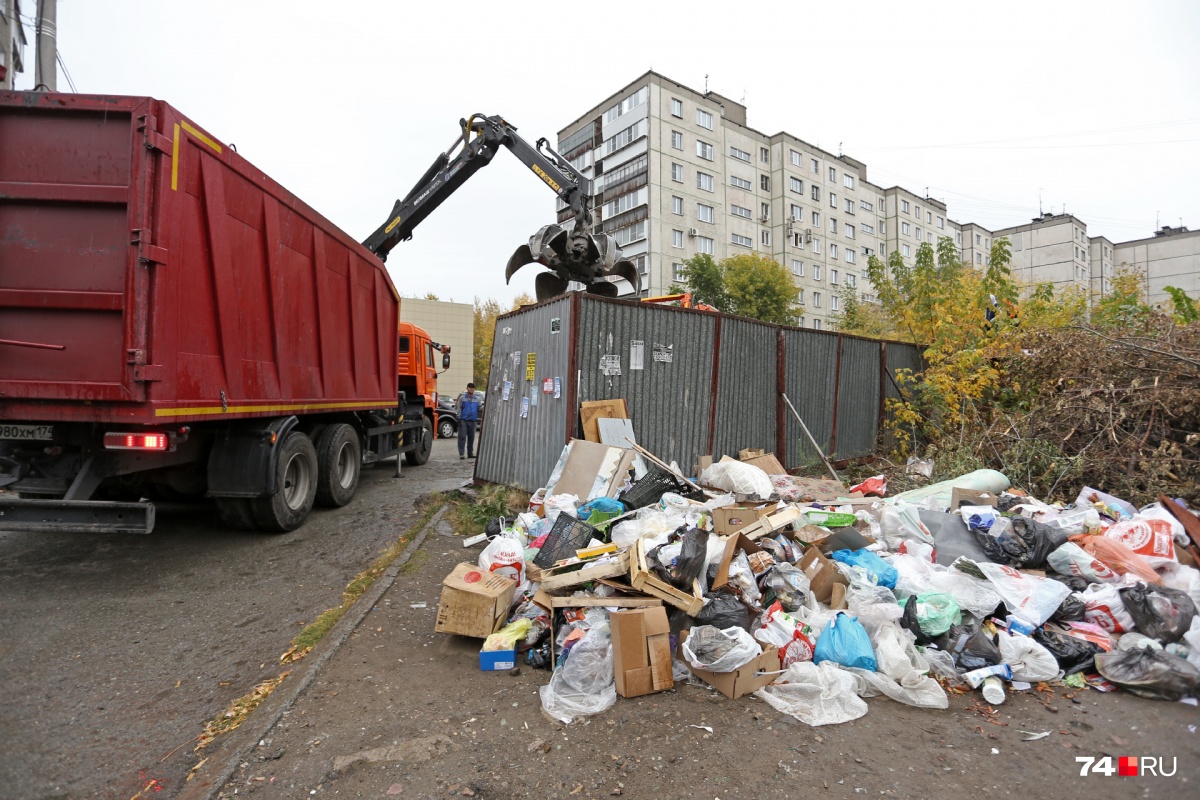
677 173
704 150
741 155
798 269
797 213
622 139
677 272
868 228
704 119
676 107
865 206
941 222
883 227
832 225
928 218
833 200
740 183
978 239
704 181
628 104
797 240
800 297
815 191
738 211
905 250
815 166
918 213
958 237
704 245
816 296
834 302
743 241
625 202
630 233
832 175
677 140
850 206
833 250
848 181
816 219
904 206
978 258
764 210
794 158
929 236
677 238
676 205
705 213
796 185
849 255
764 182
766 238
833 277
764 155
817 322
851 281
905 228
849 231
919 234
816 272
816 243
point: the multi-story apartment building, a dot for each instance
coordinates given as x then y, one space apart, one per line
1168 258
679 172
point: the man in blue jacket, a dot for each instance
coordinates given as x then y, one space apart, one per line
467 406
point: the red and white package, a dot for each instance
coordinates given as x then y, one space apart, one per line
786 633
1105 609
1150 534
921 550
876 486
1071 559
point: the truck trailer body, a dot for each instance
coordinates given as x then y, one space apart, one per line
172 317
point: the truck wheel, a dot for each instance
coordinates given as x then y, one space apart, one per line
420 455
446 429
339 464
235 513
296 487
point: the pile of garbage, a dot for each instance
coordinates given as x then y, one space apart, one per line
814 596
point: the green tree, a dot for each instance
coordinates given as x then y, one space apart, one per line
1125 306
760 287
1183 308
859 317
486 312
705 279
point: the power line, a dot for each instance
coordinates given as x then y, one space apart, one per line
58 57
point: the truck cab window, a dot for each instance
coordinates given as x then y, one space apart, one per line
404 344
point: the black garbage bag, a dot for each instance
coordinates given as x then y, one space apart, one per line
1160 612
909 621
1071 609
785 583
1024 546
1156 674
1072 653
968 645
688 565
541 655
1073 582
725 611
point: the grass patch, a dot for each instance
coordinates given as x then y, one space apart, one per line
469 514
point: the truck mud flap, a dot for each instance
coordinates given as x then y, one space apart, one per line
74 516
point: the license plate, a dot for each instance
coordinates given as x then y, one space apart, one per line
29 433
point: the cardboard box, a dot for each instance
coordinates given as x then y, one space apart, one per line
751 676
728 520
828 584
972 498
768 463
474 602
641 651
643 580
732 545
497 660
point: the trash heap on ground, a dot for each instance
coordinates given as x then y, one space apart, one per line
625 577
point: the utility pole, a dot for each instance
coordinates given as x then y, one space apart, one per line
45 77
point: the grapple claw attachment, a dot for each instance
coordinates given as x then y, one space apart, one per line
590 259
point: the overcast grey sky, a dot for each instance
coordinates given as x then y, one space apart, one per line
1094 104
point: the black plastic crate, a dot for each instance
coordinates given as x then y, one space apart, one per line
567 536
649 489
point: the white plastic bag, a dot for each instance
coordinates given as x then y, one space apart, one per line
555 504
739 477
1184 578
715 650
902 673
917 576
1030 662
1071 559
900 521
791 637
647 522
1031 598
505 556
584 684
816 694
1106 609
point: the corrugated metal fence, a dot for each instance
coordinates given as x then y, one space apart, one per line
695 383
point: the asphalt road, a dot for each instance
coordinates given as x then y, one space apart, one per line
115 650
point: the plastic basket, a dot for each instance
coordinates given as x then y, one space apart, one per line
651 487
567 536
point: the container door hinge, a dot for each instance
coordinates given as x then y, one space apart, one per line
148 372
154 139
151 254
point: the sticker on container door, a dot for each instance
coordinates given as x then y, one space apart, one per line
530 366
555 324
557 388
533 395
547 386
637 354
507 391
664 353
610 364
516 359
524 407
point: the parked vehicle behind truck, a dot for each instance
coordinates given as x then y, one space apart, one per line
176 324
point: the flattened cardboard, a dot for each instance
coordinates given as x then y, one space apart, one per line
972 498
728 520
591 410
751 676
732 545
768 463
591 470
827 582
750 452
641 651
474 602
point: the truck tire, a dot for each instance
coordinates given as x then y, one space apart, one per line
420 455
446 429
235 513
339 465
296 487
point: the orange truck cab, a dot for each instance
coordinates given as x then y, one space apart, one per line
417 369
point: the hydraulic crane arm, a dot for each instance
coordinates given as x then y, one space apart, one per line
577 254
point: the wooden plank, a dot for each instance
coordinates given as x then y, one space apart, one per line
560 578
605 602
644 581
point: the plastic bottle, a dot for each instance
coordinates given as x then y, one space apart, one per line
993 690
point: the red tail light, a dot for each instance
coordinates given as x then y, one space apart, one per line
137 441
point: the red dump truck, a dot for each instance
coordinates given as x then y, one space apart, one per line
174 323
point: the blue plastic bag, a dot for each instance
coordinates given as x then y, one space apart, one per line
884 572
845 642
